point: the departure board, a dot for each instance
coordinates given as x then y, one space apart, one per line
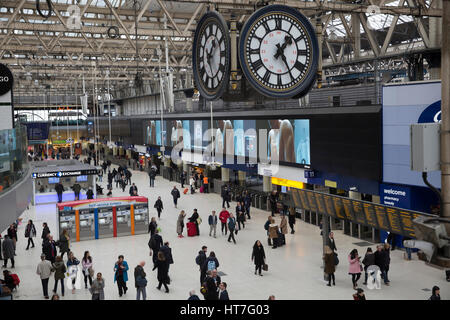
321 203
383 222
304 200
396 220
312 200
339 208
358 212
329 205
393 215
371 216
348 209
296 198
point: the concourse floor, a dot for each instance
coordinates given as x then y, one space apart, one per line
294 270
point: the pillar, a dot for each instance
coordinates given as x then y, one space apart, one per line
267 184
356 34
186 168
241 178
445 107
225 174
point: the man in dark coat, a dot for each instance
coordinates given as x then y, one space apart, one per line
175 194
8 251
330 242
225 197
167 253
381 261
247 204
76 189
211 287
49 249
273 198
90 194
155 244
59 191
152 176
200 260
133 189
291 219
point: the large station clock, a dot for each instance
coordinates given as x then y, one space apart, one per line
211 56
278 52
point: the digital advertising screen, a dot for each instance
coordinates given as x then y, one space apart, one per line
53 180
82 178
186 134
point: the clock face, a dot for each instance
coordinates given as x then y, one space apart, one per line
279 52
211 56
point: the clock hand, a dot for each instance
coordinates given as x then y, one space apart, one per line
280 50
287 66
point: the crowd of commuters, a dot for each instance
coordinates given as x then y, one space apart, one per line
211 285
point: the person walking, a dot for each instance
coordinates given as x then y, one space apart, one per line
291 219
59 188
167 254
266 227
89 194
49 248
121 275
87 268
231 227
240 215
163 269
211 263
258 256
283 226
97 288
355 267
273 198
8 251
223 217
72 268
159 207
182 179
329 265
118 178
12 234
155 243
44 271
152 226
195 218
223 293
200 260
76 190
192 184
140 282
369 259
60 270
152 176
387 258
247 204
45 231
100 176
175 194
273 233
225 194
180 224
212 221
63 243
30 233
133 190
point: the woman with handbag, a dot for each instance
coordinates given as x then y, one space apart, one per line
88 272
355 267
30 233
258 256
195 218
159 207
163 271
330 266
97 288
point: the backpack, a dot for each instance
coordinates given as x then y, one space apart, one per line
197 260
141 282
211 265
16 279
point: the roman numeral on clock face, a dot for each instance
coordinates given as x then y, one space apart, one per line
278 23
257 64
266 26
298 65
254 51
302 52
266 76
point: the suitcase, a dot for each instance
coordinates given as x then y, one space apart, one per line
185 190
202 189
191 229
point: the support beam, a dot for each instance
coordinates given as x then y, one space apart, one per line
372 40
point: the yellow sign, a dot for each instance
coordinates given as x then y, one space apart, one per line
329 183
287 183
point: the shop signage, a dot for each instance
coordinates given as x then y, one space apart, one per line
64 174
6 79
396 196
287 183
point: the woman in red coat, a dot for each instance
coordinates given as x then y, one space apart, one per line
223 217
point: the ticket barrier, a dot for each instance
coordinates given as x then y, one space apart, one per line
141 218
105 223
123 220
67 221
86 223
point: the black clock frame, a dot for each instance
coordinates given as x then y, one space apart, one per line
208 94
302 88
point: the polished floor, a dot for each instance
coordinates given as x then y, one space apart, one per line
294 270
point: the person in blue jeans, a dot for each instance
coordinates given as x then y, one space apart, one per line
381 260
